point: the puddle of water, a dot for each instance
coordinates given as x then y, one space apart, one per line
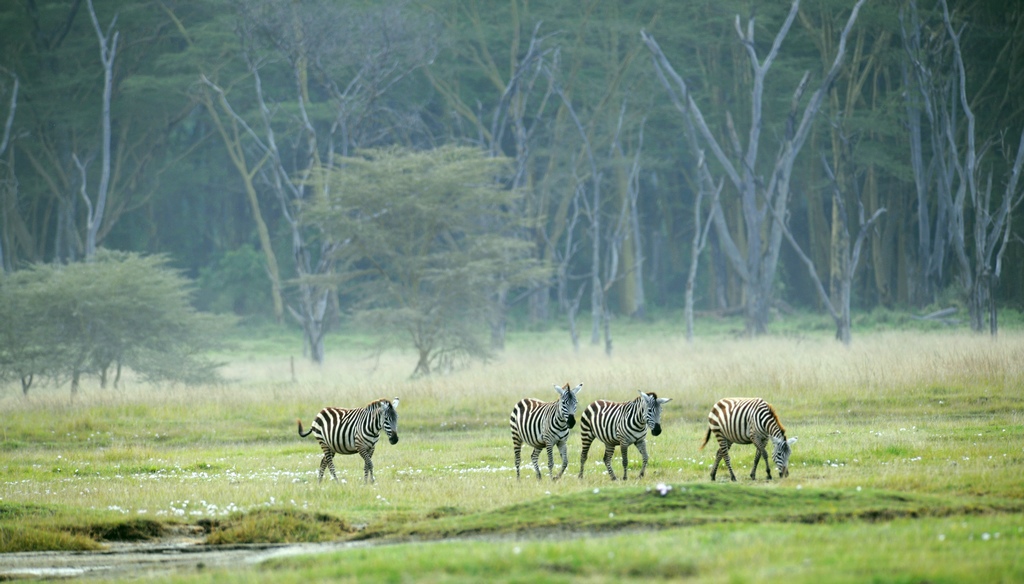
122 559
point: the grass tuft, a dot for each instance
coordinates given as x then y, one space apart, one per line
276 526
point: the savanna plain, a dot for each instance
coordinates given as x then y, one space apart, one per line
908 465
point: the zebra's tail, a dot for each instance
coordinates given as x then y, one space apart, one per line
707 437
300 429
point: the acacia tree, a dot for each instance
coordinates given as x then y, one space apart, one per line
760 197
120 310
422 238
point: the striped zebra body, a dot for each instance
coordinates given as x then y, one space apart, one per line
621 424
353 431
748 421
544 425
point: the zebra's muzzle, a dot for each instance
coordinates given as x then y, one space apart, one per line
572 421
393 438
657 430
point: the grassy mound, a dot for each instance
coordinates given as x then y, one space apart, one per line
616 508
276 526
31 528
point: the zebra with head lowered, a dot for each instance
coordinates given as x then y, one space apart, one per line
748 420
353 431
543 424
621 424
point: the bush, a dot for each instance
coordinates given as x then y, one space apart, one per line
94 318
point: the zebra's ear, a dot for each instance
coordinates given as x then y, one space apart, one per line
394 404
791 440
561 389
577 390
664 400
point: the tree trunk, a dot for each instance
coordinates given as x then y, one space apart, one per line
108 51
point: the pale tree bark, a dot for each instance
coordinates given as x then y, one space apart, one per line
759 199
94 212
231 135
701 228
567 300
591 207
274 34
313 300
9 183
838 302
925 103
991 228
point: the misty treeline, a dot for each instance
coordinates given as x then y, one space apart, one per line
713 156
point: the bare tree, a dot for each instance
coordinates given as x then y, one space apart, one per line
356 59
991 229
563 279
701 228
524 95
94 212
838 303
10 182
759 198
926 106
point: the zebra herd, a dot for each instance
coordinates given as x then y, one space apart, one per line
545 426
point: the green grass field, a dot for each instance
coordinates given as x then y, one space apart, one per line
908 465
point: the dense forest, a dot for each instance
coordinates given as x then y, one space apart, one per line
714 156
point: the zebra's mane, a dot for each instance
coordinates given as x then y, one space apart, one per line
775 415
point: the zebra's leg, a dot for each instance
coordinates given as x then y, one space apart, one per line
723 453
330 466
367 466
728 464
323 466
761 453
551 461
584 453
609 451
565 457
625 460
535 458
518 448
642 447
757 459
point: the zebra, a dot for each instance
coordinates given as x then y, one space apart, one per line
351 431
621 424
544 425
746 420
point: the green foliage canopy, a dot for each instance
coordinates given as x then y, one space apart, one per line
93 318
425 241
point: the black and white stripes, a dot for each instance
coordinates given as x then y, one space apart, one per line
621 424
748 420
353 431
544 425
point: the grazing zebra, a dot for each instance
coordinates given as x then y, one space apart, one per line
748 420
621 424
544 425
351 431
